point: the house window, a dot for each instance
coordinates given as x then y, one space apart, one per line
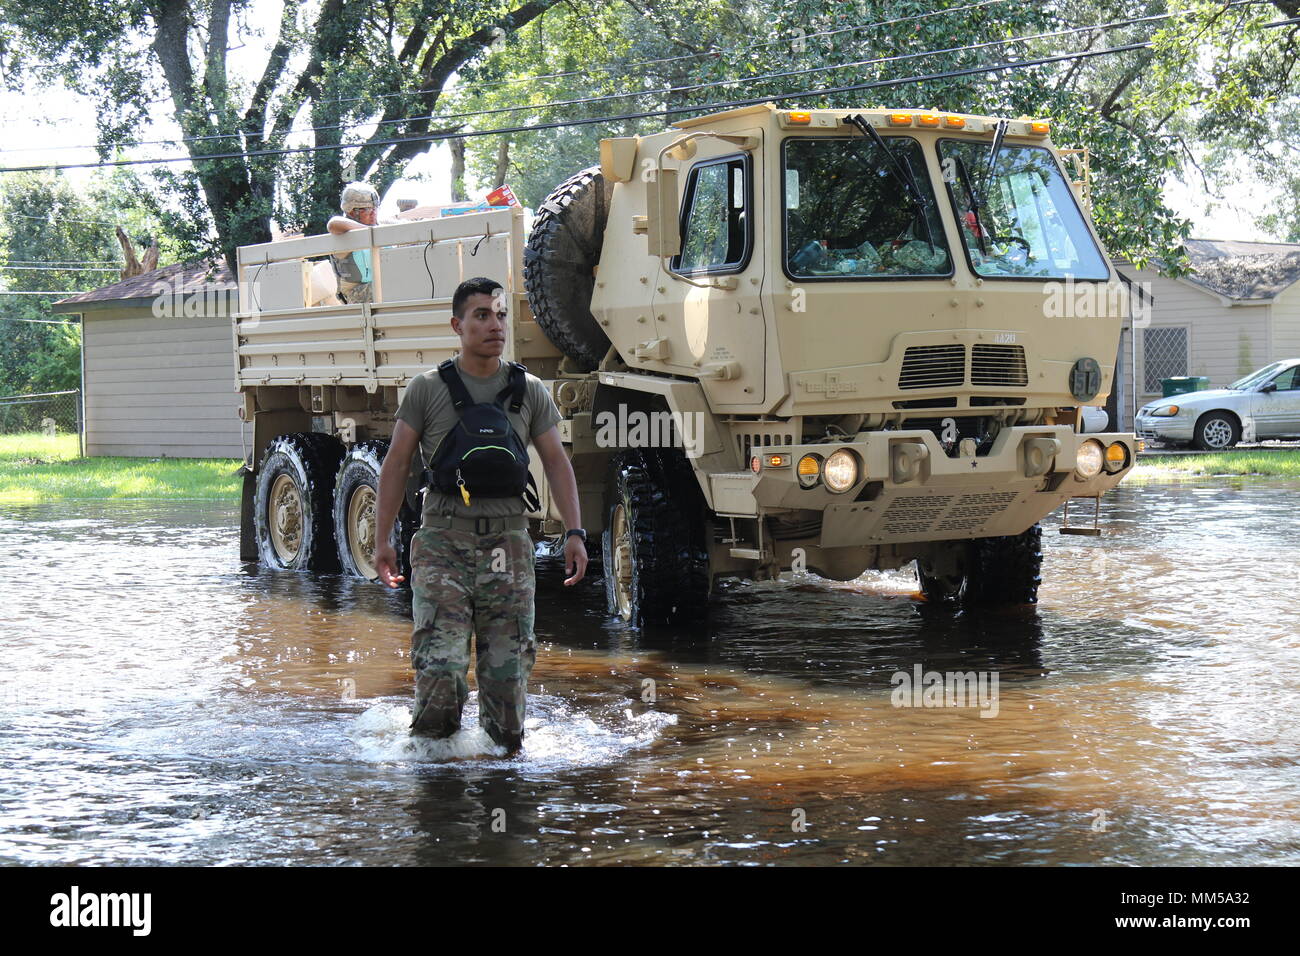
1164 355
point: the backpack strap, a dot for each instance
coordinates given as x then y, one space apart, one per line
516 388
459 393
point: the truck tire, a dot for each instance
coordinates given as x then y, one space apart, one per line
560 260
1216 431
294 506
651 547
356 502
1005 570
944 589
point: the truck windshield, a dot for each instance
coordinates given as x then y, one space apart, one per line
847 215
1020 218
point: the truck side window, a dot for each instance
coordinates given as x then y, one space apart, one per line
715 219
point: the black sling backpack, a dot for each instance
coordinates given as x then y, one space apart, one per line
482 456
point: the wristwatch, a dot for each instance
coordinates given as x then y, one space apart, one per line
575 532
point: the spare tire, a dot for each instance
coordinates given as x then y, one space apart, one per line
560 260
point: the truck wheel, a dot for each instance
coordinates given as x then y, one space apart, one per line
356 505
560 260
1216 432
1005 570
651 546
943 589
294 507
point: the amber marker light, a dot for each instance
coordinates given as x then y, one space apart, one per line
927 119
809 470
954 122
1039 128
800 117
900 119
776 461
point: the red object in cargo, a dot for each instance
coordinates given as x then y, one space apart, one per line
502 196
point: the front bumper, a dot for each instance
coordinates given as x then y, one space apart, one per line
1163 428
1002 492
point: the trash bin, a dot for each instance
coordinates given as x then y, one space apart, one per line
1183 384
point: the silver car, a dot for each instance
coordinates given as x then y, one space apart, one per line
1264 404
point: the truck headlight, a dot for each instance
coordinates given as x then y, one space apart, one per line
1169 411
841 471
1091 456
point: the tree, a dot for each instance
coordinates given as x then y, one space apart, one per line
362 63
48 234
1144 113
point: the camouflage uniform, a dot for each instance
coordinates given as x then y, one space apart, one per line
464 583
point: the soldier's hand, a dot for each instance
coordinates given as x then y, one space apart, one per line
575 559
386 565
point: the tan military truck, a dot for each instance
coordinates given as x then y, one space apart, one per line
830 340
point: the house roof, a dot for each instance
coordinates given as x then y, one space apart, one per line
183 278
1243 270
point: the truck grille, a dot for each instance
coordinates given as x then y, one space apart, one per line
998 365
933 366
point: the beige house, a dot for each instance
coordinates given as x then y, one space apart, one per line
1238 311
158 365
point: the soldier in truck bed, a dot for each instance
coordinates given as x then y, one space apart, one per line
472 558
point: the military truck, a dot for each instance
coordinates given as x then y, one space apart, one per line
831 340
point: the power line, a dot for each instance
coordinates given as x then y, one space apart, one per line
8 268
624 117
6 318
86 222
695 87
710 54
52 262
596 69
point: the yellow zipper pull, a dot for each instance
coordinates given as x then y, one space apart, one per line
464 492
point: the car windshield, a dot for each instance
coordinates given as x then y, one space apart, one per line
1256 379
1019 219
850 214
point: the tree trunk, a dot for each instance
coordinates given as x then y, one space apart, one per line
503 162
457 170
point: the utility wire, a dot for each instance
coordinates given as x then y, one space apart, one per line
687 88
711 54
624 117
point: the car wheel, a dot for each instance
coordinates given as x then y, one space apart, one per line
1216 431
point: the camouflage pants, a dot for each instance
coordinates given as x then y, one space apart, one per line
467 584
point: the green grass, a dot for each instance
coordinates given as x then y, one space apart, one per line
1273 464
34 468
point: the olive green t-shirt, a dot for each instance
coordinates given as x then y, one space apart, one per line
427 407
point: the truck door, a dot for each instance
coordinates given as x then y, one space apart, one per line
708 299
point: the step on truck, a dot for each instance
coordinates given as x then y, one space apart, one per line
821 340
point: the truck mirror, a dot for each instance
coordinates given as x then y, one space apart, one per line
661 225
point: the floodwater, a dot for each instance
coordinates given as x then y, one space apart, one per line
164 703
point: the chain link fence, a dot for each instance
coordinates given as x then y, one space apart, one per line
42 414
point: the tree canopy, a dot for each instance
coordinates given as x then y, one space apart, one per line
1150 88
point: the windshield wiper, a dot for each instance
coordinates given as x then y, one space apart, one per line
977 203
900 171
994 150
